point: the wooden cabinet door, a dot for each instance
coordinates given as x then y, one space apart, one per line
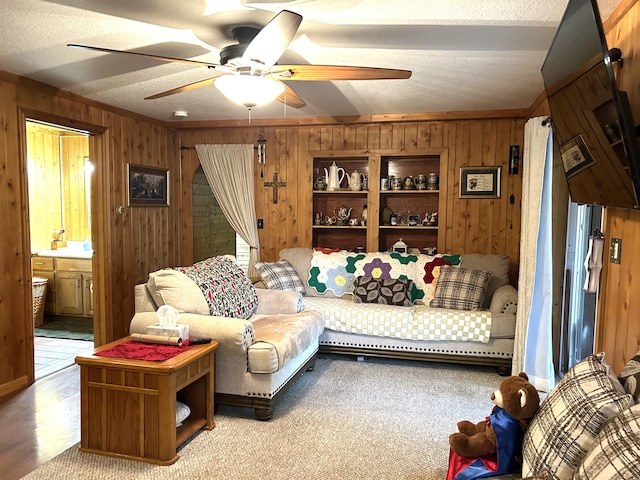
69 293
87 295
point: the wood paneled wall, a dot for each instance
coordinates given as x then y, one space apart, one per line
473 225
618 329
126 246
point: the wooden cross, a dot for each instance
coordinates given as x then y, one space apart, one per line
275 184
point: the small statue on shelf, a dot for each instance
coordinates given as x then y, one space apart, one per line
430 219
386 216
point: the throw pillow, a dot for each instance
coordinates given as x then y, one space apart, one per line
460 288
386 291
170 287
226 288
616 454
630 377
568 421
280 276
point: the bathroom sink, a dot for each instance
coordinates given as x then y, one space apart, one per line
66 253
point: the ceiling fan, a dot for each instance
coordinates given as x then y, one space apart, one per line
248 73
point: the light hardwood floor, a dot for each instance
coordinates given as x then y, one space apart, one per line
43 420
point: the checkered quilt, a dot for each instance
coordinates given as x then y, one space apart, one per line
414 323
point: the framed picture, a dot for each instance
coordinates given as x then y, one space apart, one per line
147 186
575 156
480 182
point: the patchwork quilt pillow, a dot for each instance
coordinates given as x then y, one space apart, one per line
226 288
280 276
386 291
616 454
570 418
460 288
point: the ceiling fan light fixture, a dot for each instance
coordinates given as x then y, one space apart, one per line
249 90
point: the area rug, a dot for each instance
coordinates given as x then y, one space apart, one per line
377 419
71 328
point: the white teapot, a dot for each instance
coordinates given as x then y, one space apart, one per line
334 176
355 181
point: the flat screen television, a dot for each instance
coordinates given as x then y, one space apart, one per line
591 118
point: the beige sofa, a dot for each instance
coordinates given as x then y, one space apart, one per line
495 348
258 358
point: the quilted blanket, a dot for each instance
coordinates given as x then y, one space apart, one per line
336 271
413 323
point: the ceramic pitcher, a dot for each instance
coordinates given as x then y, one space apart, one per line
355 181
334 176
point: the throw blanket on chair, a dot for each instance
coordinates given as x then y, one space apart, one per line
228 291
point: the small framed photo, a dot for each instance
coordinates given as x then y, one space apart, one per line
575 156
480 182
147 186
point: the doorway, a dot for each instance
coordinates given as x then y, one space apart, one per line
59 172
580 306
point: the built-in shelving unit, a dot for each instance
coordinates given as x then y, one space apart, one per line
414 208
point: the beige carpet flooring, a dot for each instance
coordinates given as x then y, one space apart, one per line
378 419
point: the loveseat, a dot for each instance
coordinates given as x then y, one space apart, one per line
588 427
265 338
329 281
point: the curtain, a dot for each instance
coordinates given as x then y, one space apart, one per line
533 347
229 171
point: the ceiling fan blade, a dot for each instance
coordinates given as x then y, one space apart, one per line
184 88
336 72
147 55
271 42
291 98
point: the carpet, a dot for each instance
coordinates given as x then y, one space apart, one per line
378 419
71 328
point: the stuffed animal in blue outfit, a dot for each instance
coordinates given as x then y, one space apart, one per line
497 440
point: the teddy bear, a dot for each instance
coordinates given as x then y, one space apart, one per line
516 402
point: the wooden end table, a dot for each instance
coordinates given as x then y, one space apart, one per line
128 407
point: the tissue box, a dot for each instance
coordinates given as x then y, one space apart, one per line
181 331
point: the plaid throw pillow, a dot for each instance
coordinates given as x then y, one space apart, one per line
616 454
569 419
386 291
630 377
460 288
280 276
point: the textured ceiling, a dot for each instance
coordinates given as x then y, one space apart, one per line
464 55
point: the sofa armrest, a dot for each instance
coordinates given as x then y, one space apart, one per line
504 300
275 302
232 334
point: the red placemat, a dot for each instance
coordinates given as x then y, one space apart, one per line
143 351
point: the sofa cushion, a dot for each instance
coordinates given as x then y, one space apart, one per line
387 291
616 453
226 288
568 421
171 287
630 377
280 276
498 265
460 288
281 338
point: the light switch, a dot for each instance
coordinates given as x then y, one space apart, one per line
615 250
